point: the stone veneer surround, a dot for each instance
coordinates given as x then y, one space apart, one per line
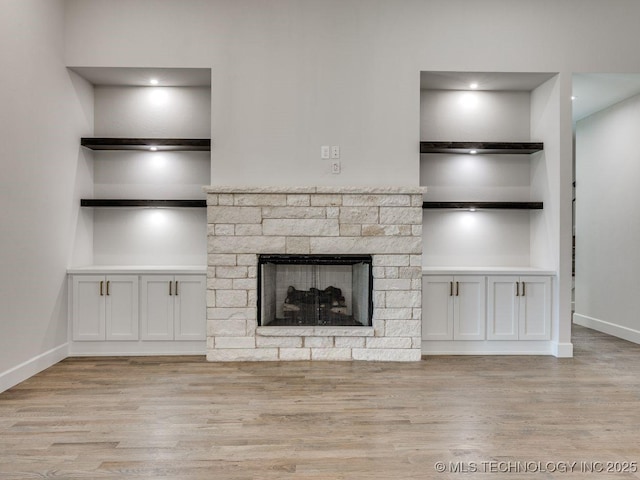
384 222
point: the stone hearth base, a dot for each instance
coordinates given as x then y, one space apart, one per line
385 222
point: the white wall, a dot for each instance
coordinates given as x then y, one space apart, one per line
607 222
152 236
44 112
165 174
170 112
474 116
485 238
289 76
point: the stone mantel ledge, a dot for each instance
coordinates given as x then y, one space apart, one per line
315 331
380 190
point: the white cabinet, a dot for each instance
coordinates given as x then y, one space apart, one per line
453 307
105 307
173 307
519 308
136 308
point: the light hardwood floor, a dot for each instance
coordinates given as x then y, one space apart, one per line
184 418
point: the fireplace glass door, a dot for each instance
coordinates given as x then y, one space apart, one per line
314 290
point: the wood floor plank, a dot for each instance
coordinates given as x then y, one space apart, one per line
184 418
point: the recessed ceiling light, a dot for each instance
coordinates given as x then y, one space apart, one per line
473 86
154 81
153 149
473 152
573 97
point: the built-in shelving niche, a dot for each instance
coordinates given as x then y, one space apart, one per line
149 144
147 157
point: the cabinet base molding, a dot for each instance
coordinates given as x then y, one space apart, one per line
488 347
603 326
108 349
35 365
562 350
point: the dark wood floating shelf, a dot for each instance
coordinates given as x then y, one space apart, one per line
109 202
485 205
161 144
481 147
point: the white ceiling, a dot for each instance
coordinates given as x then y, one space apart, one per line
596 91
167 77
511 81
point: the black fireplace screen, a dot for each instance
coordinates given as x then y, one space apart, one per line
310 290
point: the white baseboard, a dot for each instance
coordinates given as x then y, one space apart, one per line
137 348
619 331
562 350
28 369
487 347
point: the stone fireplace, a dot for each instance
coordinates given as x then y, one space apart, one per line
251 317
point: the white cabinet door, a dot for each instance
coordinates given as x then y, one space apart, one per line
88 311
105 307
502 308
437 308
157 305
535 308
519 308
469 316
173 307
121 306
190 307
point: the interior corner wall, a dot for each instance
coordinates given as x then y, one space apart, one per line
607 223
551 178
44 112
545 127
81 249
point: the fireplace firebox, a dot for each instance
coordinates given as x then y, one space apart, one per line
315 290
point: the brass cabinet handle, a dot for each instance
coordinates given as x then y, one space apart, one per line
457 289
101 283
451 289
170 292
176 288
517 289
523 290
107 287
